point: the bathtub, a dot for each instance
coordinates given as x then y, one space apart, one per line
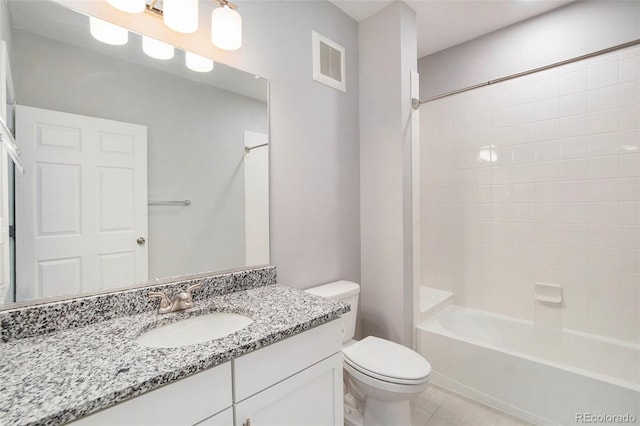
540 374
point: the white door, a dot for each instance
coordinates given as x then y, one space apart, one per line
81 205
256 198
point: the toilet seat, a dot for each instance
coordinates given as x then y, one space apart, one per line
387 361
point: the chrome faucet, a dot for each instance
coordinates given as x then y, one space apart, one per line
180 301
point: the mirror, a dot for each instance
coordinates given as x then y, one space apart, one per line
136 168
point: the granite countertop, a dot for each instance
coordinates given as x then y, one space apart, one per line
58 377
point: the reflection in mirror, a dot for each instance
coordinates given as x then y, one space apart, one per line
136 168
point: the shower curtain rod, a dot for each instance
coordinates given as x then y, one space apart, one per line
415 103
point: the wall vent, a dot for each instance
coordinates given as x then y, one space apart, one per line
328 62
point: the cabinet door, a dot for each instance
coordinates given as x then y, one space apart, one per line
311 397
224 418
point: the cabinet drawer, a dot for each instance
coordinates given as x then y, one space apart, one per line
184 402
258 370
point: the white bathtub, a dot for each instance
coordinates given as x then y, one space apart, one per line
543 375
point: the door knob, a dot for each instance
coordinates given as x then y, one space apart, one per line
141 241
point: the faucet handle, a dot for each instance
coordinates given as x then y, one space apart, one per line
164 300
191 288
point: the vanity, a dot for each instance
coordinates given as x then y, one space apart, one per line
285 367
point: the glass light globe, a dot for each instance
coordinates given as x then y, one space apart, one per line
198 63
181 15
108 33
156 48
226 28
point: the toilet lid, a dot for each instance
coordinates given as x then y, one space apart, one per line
387 360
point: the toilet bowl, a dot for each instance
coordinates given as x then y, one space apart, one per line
381 377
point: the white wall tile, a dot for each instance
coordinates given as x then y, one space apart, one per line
549 212
603 167
603 144
629 141
548 151
545 109
573 104
602 98
629 213
575 125
572 82
576 191
629 93
629 117
575 148
538 179
575 169
603 121
629 189
629 69
602 75
629 165
546 130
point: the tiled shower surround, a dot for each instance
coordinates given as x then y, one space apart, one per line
537 179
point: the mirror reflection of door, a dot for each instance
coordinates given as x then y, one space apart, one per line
81 207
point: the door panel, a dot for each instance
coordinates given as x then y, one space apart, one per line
81 205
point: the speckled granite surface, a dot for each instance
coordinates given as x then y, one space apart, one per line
49 317
57 377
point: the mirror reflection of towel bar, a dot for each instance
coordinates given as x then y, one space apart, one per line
169 203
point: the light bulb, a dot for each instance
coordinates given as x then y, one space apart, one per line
129 6
107 32
198 63
181 15
156 48
226 28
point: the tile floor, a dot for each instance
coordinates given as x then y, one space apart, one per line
439 407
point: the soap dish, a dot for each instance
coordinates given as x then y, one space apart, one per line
548 293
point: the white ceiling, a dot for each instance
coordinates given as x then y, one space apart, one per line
445 23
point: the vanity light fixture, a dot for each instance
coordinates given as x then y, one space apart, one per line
182 16
107 32
226 26
198 63
156 48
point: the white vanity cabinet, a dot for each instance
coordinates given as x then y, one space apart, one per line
184 402
296 381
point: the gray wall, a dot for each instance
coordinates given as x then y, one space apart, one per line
388 53
315 209
195 144
567 32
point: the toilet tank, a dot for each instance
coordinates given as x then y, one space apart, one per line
343 291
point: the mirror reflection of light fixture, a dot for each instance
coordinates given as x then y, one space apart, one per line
107 32
156 48
198 63
129 6
226 27
181 15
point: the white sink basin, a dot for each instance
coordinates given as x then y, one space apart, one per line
194 330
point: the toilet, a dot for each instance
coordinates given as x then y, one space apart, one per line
381 377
